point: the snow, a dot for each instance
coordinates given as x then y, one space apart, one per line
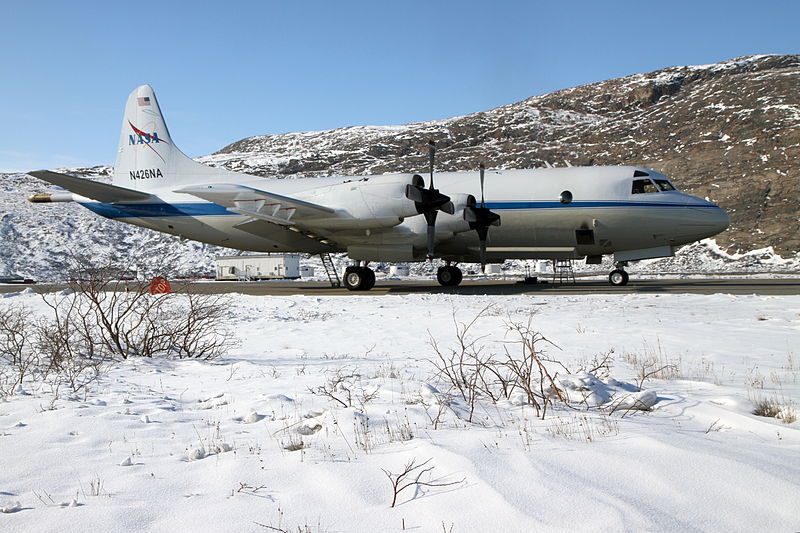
240 443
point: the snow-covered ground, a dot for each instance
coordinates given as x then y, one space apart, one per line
242 444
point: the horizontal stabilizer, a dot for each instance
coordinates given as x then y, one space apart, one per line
102 192
268 206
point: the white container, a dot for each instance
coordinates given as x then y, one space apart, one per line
306 271
398 271
258 266
494 268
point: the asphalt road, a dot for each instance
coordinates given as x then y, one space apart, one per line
479 287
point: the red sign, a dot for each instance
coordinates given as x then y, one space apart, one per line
159 285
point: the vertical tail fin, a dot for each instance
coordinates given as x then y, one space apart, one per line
147 157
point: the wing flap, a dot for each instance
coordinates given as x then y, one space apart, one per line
102 192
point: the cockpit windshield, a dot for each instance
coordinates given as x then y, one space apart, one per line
664 185
643 186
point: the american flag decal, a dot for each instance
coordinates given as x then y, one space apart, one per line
143 100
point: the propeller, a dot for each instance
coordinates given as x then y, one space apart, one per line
480 218
429 201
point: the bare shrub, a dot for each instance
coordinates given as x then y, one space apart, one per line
344 387
599 365
774 407
412 476
652 364
199 327
17 358
467 368
475 372
533 372
583 427
120 318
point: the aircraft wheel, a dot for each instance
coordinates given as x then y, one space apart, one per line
618 277
449 276
369 279
358 278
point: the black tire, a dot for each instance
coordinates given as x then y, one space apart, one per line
359 278
369 279
449 276
618 277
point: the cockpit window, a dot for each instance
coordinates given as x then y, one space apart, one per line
643 186
664 185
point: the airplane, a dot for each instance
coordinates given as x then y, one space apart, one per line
567 213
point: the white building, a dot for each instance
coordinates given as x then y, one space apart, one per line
258 266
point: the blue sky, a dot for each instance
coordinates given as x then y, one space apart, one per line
228 70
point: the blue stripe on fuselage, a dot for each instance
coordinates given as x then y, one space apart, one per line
195 209
189 209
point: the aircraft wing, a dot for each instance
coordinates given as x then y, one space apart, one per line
102 192
256 203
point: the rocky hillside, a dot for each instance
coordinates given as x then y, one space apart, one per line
728 131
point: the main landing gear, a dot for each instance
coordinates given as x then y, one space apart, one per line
359 278
449 276
618 276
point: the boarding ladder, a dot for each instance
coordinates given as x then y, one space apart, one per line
562 271
330 270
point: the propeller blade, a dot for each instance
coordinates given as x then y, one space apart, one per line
483 169
430 217
483 232
414 193
448 207
431 156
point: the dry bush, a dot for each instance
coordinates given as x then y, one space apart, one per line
17 358
774 407
474 372
652 364
121 319
467 368
100 319
344 387
533 372
414 475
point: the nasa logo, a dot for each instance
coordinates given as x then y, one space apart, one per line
143 137
146 174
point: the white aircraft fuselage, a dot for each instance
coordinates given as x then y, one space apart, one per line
548 213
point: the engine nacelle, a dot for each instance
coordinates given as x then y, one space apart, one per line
370 202
455 223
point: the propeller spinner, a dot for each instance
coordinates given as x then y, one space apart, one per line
480 218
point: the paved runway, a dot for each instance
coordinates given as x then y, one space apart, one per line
477 287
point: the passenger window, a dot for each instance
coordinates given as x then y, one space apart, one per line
664 185
643 186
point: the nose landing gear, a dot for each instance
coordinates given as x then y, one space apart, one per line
449 276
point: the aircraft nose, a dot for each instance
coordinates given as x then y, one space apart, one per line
720 220
710 220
